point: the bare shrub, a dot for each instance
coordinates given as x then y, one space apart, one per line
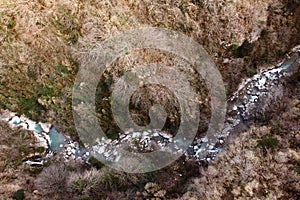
93 183
153 190
52 181
81 183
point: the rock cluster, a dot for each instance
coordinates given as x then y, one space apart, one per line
254 96
72 151
136 142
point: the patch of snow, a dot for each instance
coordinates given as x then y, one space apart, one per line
45 126
28 162
15 120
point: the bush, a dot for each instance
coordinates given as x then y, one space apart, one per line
18 195
95 162
268 142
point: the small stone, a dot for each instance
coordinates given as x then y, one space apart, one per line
204 140
155 134
234 107
107 154
141 83
115 152
136 134
166 135
109 141
226 60
73 151
35 192
145 133
100 150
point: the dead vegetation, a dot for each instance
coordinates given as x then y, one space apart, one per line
15 145
43 43
261 163
245 171
147 95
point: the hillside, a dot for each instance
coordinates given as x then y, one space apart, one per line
44 44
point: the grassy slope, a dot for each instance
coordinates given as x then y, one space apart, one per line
42 42
262 163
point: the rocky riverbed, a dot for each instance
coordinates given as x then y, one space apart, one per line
254 96
46 137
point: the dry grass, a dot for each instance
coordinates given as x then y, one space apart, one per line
61 181
255 165
222 26
43 43
148 95
36 64
15 145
